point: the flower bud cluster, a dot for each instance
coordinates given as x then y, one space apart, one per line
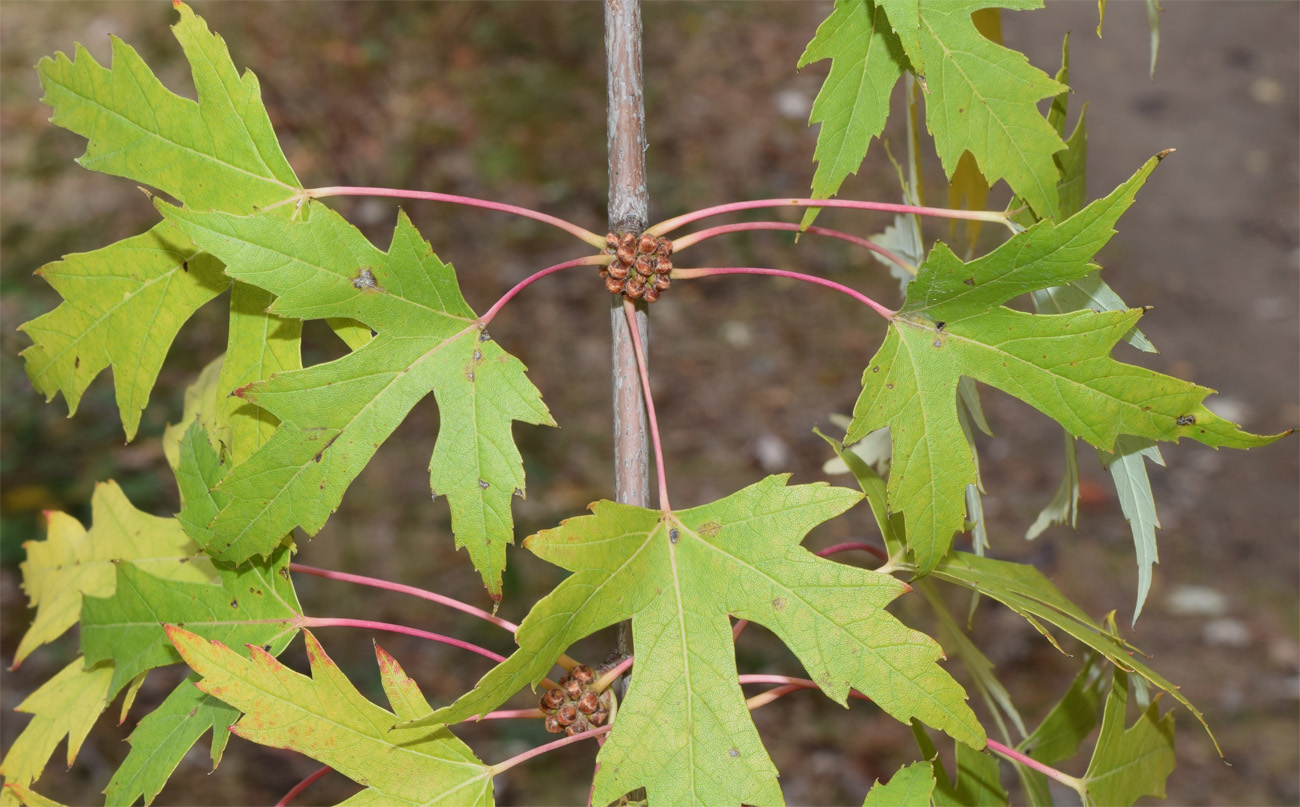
640 267
573 707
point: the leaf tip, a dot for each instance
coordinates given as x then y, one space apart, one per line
1164 154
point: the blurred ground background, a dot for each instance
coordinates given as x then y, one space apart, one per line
506 101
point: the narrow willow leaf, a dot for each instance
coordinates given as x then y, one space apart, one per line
1153 22
873 486
335 415
1026 591
124 304
326 718
73 562
253 604
164 737
1134 762
1064 506
867 61
954 325
683 732
1133 486
910 787
67 705
981 97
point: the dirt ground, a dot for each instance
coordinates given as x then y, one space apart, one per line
506 101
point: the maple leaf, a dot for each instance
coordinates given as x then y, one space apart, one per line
164 737
1134 762
67 705
253 604
684 732
911 786
326 718
73 561
124 304
335 415
954 324
980 96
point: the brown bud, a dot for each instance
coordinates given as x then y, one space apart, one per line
567 715
663 266
661 282
583 674
617 269
577 728
664 247
643 266
552 699
611 240
627 240
553 725
588 703
646 244
634 287
598 717
571 687
614 285
626 255
651 294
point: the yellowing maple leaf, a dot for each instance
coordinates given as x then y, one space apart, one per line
326 718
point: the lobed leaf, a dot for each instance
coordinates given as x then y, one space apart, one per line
73 561
954 324
335 415
683 731
124 304
67 705
1134 762
912 786
164 737
252 604
326 718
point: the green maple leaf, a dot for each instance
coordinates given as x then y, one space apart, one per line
326 718
164 737
684 732
124 304
867 61
73 561
1134 762
954 324
980 96
335 415
912 786
252 604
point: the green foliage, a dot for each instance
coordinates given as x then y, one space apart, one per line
954 325
326 718
266 446
335 415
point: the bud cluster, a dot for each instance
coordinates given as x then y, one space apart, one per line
640 266
573 707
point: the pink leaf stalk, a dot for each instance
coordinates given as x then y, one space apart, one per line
756 270
551 746
301 786
1029 762
630 310
667 226
694 238
597 241
590 260
603 683
374 582
325 622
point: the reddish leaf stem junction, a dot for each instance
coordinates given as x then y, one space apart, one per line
667 226
326 622
694 238
1029 762
375 582
630 310
590 260
755 270
597 241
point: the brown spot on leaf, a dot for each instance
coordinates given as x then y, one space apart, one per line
778 604
365 280
234 603
1186 420
76 362
185 266
710 529
970 281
